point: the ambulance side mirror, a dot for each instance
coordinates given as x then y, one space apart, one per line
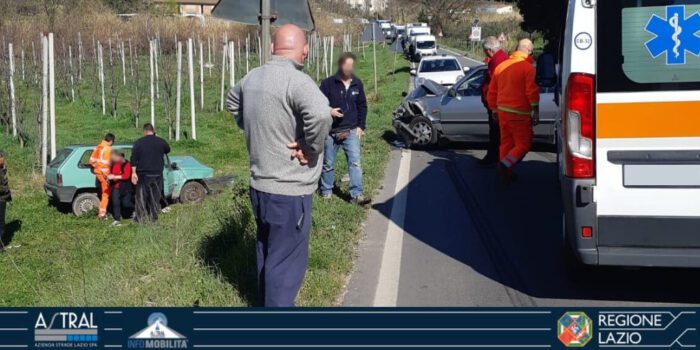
546 74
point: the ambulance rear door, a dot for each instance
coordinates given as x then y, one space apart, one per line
647 130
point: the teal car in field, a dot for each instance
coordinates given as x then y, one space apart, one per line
69 178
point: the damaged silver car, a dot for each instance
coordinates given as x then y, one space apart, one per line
432 112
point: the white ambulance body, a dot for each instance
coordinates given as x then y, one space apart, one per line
630 132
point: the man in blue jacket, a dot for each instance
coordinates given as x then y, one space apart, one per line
346 93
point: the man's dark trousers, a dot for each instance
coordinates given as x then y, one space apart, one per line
493 150
284 224
148 197
121 200
3 205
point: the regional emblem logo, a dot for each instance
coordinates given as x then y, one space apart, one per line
575 329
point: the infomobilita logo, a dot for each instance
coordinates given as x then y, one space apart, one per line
575 329
157 335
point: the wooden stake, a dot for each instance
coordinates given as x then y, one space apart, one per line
232 63
72 79
190 65
201 75
100 57
13 108
152 50
52 96
44 102
178 107
223 74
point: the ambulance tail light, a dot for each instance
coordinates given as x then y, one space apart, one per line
579 126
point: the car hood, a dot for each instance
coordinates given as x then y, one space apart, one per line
192 166
444 78
434 87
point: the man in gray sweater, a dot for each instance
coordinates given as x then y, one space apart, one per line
286 119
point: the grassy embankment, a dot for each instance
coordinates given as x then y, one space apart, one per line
196 255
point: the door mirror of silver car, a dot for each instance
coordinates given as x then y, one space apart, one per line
452 93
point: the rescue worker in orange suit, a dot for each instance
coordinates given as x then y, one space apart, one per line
514 97
100 162
494 57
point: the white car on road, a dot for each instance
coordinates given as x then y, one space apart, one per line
444 70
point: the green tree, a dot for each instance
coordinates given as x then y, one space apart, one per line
546 17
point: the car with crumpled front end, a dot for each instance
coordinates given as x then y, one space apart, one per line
433 112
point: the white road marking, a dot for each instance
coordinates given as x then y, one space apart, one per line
390 269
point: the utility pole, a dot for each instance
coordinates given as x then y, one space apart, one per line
266 23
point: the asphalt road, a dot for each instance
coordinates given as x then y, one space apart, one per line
444 232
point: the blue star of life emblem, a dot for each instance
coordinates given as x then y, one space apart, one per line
675 35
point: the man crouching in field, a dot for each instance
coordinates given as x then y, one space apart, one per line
282 110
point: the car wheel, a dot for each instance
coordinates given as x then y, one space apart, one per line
85 203
192 192
425 134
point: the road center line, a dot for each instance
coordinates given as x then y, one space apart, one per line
390 269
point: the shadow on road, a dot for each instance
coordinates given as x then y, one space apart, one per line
521 229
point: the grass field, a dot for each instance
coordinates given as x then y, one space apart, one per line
196 255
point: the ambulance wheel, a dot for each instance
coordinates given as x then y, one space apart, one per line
85 203
426 135
192 192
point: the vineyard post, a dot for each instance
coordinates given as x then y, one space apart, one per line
190 67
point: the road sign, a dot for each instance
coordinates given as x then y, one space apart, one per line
476 33
296 12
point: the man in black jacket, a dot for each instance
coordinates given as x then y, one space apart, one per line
147 164
345 92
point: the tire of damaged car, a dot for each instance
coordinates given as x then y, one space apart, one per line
422 133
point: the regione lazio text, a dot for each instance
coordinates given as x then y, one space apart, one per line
375 174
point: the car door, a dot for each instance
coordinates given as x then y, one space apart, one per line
462 113
549 115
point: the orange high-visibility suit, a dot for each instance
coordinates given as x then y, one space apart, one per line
513 92
100 161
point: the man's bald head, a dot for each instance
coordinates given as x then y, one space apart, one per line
290 42
526 46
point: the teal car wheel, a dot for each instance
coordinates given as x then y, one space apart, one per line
85 203
192 192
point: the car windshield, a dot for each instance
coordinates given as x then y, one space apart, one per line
434 66
425 44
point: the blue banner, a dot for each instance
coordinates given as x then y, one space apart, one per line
348 328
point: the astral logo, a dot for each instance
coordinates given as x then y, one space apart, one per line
157 335
65 330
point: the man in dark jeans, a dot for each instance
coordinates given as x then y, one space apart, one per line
147 164
345 91
5 197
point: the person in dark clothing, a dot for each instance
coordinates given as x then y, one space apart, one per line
5 197
494 57
346 92
147 164
120 187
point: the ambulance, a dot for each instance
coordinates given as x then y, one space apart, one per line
629 137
